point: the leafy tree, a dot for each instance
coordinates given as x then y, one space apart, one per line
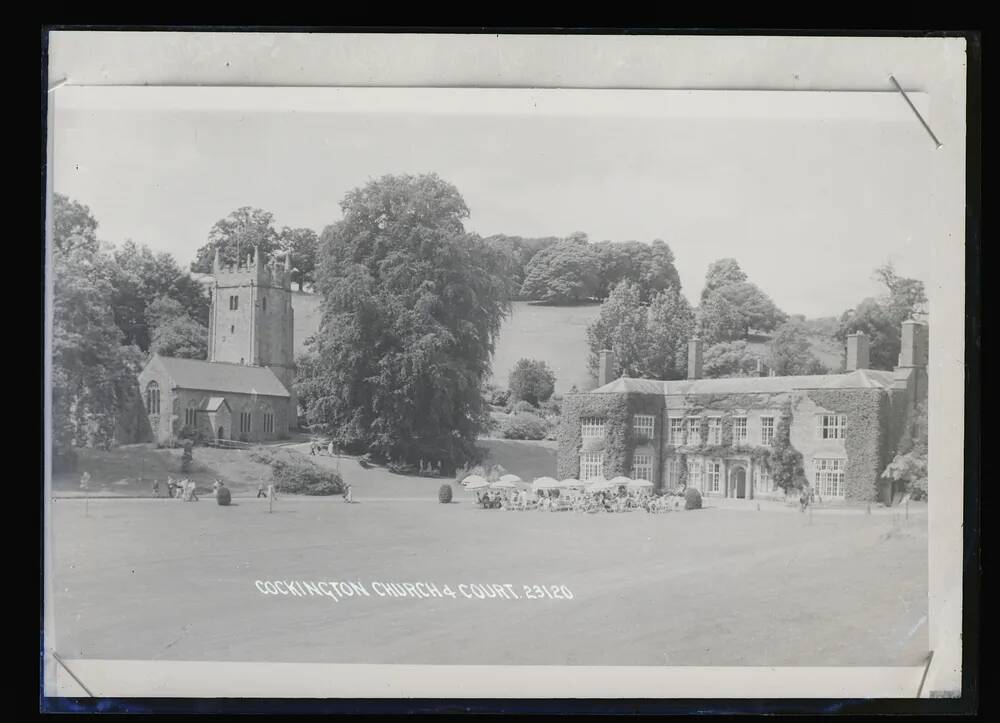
910 462
785 463
723 272
730 312
173 332
244 230
302 244
564 272
93 372
650 266
531 380
790 351
412 309
730 359
881 318
519 251
649 340
72 225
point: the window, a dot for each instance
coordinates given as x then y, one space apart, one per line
767 430
763 481
269 422
642 466
190 420
153 398
592 428
714 475
739 431
714 430
829 477
234 303
263 304
643 425
694 431
676 432
832 426
244 422
591 465
232 328
673 473
695 470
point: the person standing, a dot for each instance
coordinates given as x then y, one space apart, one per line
156 488
261 492
312 447
329 448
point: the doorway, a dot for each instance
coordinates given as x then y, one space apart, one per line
222 433
740 482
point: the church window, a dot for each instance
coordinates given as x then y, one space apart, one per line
244 422
234 303
263 304
153 398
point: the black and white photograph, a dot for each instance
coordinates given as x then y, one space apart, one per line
463 382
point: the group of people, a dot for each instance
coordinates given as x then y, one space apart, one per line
184 489
617 500
316 448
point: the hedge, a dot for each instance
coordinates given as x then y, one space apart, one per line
300 476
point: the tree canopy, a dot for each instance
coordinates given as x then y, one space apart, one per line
302 244
244 229
411 311
730 359
565 272
72 224
732 306
532 381
790 351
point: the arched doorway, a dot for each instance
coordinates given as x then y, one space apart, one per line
222 433
739 482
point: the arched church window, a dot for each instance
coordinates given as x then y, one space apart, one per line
263 304
153 398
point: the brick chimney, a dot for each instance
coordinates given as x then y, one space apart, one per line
605 367
913 344
857 351
694 358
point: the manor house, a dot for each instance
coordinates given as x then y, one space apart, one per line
717 434
244 390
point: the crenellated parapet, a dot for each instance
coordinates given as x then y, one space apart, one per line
272 273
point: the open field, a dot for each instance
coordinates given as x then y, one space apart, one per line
149 579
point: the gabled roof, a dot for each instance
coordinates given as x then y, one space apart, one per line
222 377
212 404
858 379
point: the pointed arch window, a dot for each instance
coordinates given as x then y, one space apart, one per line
153 398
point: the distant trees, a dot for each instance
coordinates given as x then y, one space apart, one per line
730 359
302 244
412 308
174 332
649 339
790 351
531 380
881 318
519 251
72 225
732 306
574 269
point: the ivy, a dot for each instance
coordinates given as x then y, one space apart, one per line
866 441
785 465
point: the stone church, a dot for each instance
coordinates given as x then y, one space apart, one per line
244 390
717 434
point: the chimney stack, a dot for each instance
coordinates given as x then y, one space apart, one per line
913 344
694 358
605 367
857 351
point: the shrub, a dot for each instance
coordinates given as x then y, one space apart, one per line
532 380
692 499
444 494
297 475
522 406
525 426
499 397
223 497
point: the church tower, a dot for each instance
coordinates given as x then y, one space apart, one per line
252 321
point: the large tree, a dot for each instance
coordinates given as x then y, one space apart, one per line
649 339
302 244
412 309
722 272
72 224
881 318
532 381
730 359
565 272
731 306
245 230
173 332
649 266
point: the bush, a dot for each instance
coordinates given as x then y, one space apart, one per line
522 406
444 494
223 497
692 499
525 426
499 397
532 380
300 476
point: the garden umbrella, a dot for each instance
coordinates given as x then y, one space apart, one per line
477 484
640 484
505 484
511 478
571 483
620 481
545 483
474 479
601 485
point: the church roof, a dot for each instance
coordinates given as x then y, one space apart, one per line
223 377
858 379
212 404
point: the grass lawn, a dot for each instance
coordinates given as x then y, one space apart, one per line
149 579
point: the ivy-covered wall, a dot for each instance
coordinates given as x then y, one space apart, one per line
866 444
619 443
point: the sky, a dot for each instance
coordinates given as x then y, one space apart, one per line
808 206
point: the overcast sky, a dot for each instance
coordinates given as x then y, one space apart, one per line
808 207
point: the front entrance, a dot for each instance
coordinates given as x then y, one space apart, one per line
222 433
740 482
